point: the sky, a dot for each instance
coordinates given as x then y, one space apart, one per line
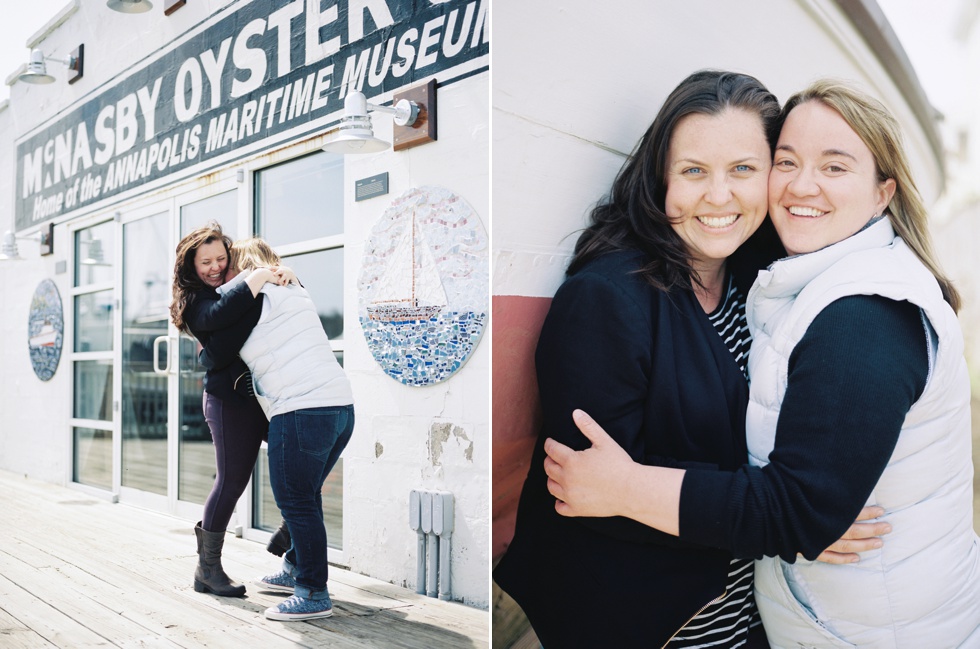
923 28
22 20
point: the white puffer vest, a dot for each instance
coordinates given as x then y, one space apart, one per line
922 589
293 366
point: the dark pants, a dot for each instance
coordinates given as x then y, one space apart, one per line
238 429
304 445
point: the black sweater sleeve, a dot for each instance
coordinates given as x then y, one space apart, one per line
853 377
211 315
223 345
595 353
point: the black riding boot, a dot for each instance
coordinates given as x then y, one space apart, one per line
280 541
210 577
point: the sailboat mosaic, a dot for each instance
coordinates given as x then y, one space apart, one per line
423 293
45 329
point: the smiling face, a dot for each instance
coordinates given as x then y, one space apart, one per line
717 171
823 186
211 262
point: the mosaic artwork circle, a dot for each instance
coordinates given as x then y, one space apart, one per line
45 329
423 293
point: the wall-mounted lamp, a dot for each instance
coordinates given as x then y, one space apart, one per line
8 249
37 71
414 116
130 6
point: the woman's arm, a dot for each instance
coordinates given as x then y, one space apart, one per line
212 315
280 275
223 345
852 379
604 481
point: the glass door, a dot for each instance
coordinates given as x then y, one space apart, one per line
195 450
145 359
138 428
94 409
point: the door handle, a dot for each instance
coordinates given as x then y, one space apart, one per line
156 354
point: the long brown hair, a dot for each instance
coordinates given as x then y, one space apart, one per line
633 216
880 132
186 281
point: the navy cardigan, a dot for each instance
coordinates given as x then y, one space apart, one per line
651 369
222 324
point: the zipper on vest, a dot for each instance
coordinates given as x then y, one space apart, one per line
699 612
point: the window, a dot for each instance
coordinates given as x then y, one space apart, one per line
300 200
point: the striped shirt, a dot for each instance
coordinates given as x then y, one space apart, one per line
726 622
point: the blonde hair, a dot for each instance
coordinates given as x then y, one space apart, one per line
881 133
247 254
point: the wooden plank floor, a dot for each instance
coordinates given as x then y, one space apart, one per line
78 572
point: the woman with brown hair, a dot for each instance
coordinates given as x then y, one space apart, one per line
229 409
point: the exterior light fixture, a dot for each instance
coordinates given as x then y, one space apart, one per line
414 116
130 6
37 71
8 249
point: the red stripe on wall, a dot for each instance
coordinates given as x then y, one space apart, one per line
516 325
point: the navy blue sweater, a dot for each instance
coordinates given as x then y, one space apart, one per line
852 379
222 324
650 367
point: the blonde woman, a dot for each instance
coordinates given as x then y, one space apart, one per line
309 403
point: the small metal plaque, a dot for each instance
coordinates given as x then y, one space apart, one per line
366 188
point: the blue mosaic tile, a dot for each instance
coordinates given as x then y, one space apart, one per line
423 293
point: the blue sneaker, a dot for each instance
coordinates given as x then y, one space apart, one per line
300 608
281 582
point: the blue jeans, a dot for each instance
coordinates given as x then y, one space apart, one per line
304 445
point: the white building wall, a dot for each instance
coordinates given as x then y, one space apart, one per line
434 437
34 430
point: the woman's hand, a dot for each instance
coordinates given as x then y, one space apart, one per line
590 482
860 537
284 275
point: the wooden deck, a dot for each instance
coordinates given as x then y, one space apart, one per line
79 572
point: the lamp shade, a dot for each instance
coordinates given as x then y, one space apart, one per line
354 133
8 250
130 6
37 71
355 143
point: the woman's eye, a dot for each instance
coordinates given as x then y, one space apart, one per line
694 171
743 168
783 163
835 169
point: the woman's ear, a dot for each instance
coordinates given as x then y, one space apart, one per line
886 191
